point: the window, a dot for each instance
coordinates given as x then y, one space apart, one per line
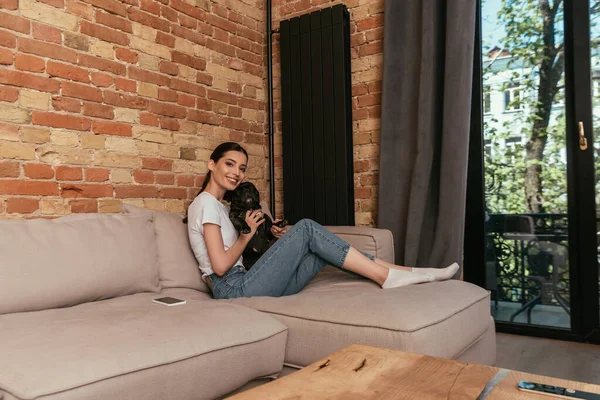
512 97
487 100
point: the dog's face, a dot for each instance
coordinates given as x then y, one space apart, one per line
245 197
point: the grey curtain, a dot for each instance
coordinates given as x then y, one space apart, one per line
427 79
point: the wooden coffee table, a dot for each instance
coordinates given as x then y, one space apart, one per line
366 372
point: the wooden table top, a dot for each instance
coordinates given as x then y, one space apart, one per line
366 372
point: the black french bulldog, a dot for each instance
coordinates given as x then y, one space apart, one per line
246 197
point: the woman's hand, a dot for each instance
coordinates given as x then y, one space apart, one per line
277 231
254 219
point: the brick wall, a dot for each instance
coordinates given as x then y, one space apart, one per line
111 101
366 30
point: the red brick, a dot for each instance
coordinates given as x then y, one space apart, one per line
66 104
101 64
9 94
67 71
98 110
157 164
96 174
165 179
204 78
169 123
192 36
60 121
54 3
14 23
29 63
234 87
248 56
125 100
70 89
68 173
188 9
143 176
173 193
220 47
170 68
126 85
113 21
184 86
6 57
113 6
7 39
136 191
222 96
9 129
371 48
361 166
370 23
221 35
148 119
255 70
46 50
375 34
150 6
147 76
199 180
164 39
149 20
17 78
107 34
185 180
9 4
168 13
126 55
111 128
249 103
369 100
240 42
167 95
22 206
234 111
38 171
101 80
186 100
9 169
204 117
203 104
237 124
80 9
31 188
84 206
249 34
188 22
86 191
47 33
362 193
190 61
170 110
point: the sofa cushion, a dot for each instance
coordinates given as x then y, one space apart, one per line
132 348
375 241
336 309
177 264
67 261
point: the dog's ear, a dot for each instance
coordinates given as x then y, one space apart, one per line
228 196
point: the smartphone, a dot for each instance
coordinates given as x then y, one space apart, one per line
556 391
281 224
169 301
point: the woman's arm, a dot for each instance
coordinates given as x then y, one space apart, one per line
222 260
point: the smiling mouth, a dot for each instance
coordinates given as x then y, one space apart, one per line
232 181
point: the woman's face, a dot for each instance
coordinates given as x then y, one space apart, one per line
230 170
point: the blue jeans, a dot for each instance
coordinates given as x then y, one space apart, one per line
287 267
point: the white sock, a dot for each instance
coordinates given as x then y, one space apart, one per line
397 278
441 274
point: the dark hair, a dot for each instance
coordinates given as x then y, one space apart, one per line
216 155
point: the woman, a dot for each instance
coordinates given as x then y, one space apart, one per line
292 261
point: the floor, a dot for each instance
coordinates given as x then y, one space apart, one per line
554 316
567 360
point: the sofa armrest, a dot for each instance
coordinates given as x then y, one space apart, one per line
375 241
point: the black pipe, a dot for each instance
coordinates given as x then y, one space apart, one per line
270 100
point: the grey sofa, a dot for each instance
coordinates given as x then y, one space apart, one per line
77 319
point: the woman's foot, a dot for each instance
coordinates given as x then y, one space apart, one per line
398 278
440 274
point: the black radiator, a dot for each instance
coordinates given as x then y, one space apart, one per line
318 177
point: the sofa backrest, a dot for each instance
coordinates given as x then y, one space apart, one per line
177 264
75 259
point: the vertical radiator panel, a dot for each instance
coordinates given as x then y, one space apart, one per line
317 117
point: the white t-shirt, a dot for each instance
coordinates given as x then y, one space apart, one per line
207 209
